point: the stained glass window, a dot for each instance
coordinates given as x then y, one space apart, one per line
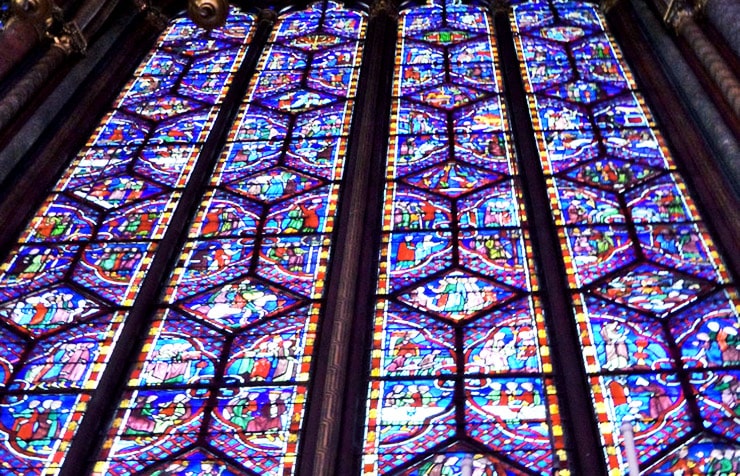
461 375
223 375
67 287
461 378
657 314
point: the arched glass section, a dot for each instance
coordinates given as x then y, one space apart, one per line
221 382
461 379
657 314
67 287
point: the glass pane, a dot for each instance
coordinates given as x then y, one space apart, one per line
461 378
221 381
67 286
651 295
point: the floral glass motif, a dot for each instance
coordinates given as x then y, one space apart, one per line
657 315
221 380
67 286
461 377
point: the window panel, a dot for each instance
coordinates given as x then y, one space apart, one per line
69 283
223 375
651 295
460 375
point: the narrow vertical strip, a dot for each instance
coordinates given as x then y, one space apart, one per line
654 303
69 284
461 378
222 378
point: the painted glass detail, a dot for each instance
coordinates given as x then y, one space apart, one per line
221 381
67 286
657 315
461 379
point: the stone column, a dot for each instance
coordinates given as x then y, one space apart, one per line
724 15
710 58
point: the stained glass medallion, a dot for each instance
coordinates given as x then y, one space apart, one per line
222 379
67 287
460 378
652 298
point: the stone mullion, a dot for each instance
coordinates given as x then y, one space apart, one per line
335 414
84 447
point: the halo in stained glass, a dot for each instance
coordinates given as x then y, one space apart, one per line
50 308
447 96
654 403
62 219
612 173
456 295
274 184
703 454
713 338
451 179
653 289
238 304
306 213
417 210
168 165
278 350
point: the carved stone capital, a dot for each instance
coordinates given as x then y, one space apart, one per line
607 5
208 14
500 6
71 40
268 16
152 14
677 13
387 8
679 18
